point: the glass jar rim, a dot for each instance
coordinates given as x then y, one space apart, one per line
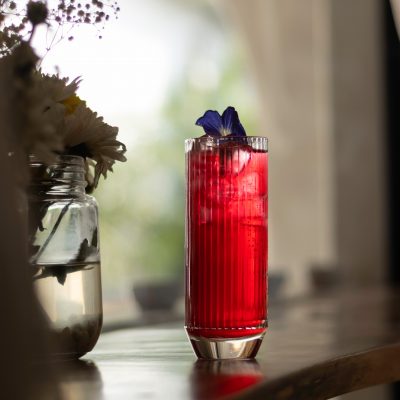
67 159
64 176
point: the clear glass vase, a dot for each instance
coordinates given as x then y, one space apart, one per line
65 256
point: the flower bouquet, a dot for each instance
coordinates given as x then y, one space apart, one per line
58 149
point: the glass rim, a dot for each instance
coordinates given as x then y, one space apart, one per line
216 140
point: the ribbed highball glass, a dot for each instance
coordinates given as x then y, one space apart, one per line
226 245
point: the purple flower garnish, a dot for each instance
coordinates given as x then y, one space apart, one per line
226 125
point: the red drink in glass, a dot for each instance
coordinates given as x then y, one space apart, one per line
226 245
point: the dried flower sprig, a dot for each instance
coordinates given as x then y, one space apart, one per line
92 12
18 23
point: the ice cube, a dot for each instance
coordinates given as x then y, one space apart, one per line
233 159
226 189
254 211
250 185
202 162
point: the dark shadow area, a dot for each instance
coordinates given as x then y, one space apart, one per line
392 75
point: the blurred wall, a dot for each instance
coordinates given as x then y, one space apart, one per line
318 65
360 137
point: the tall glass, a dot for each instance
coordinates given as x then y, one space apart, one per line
226 245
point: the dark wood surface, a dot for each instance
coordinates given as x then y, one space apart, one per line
315 348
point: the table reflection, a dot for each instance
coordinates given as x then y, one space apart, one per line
80 379
216 379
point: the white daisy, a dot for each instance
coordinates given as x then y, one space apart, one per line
87 135
57 89
81 131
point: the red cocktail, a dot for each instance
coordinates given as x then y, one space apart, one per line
226 245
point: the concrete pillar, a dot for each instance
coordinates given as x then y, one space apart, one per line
318 69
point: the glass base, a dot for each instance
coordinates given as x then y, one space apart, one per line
226 349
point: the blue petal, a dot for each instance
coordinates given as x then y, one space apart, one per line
231 122
229 117
211 122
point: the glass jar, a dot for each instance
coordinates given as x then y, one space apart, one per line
65 256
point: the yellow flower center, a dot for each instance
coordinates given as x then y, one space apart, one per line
71 103
225 131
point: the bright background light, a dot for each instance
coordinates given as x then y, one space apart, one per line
157 68
127 74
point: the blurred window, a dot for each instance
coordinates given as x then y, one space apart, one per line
154 72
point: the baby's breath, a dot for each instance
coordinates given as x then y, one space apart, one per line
18 22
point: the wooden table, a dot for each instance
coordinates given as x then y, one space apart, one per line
315 348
